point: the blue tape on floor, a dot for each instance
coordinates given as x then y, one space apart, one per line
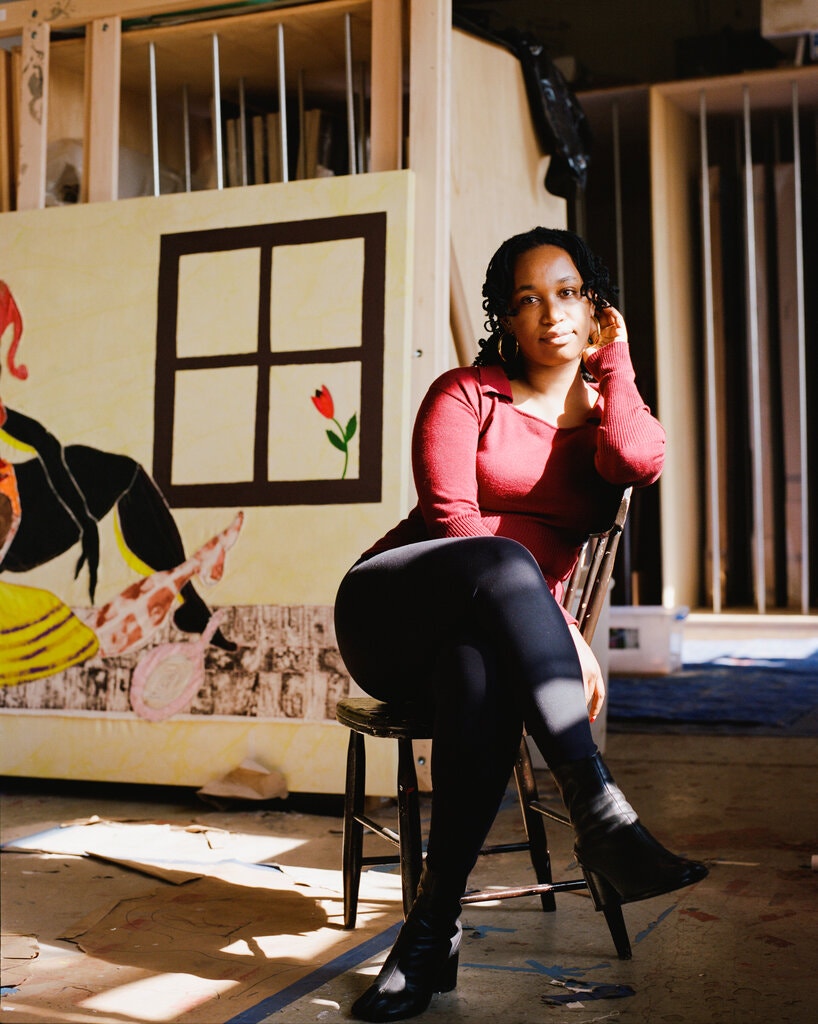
653 924
315 979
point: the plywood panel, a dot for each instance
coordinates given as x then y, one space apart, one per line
498 167
104 268
788 17
66 114
5 132
33 117
673 168
430 159
103 41
108 748
793 506
386 119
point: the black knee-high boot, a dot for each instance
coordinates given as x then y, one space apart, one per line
622 862
424 958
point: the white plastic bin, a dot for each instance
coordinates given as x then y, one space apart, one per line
645 640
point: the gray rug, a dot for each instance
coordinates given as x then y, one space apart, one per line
736 692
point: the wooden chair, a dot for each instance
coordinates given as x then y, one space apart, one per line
405 722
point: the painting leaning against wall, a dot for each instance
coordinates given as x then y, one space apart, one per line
179 430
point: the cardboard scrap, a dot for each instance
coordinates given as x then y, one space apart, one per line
188 930
175 854
239 940
17 953
250 781
90 921
176 876
217 838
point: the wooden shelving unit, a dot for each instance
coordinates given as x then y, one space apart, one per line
98 86
720 456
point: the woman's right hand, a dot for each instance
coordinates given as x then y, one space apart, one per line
592 677
611 329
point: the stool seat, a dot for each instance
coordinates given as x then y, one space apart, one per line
408 720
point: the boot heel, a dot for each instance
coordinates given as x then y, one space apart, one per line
604 895
447 975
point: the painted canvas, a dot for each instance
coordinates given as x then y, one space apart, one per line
205 421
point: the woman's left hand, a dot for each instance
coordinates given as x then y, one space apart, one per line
592 678
611 329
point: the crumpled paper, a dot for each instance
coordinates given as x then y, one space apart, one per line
250 781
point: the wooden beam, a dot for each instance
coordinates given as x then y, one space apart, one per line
6 162
673 156
102 73
386 115
430 159
33 117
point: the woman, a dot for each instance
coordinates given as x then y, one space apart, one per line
516 460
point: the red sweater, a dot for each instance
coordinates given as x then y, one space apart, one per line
483 466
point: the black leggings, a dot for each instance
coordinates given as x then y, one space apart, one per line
470 625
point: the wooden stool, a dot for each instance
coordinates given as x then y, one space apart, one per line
365 716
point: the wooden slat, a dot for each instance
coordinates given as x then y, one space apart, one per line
5 129
673 152
33 117
386 116
430 159
103 48
14 134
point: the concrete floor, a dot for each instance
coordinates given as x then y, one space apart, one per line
228 939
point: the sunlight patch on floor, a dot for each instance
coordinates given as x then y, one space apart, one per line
161 997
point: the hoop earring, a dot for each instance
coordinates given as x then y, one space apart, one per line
500 341
592 341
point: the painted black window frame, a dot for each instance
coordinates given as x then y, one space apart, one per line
260 491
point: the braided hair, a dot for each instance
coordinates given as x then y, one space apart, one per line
499 286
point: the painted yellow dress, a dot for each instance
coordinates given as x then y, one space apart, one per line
39 634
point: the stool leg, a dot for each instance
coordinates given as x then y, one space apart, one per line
411 845
534 826
354 795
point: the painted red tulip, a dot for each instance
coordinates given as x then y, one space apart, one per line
322 400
